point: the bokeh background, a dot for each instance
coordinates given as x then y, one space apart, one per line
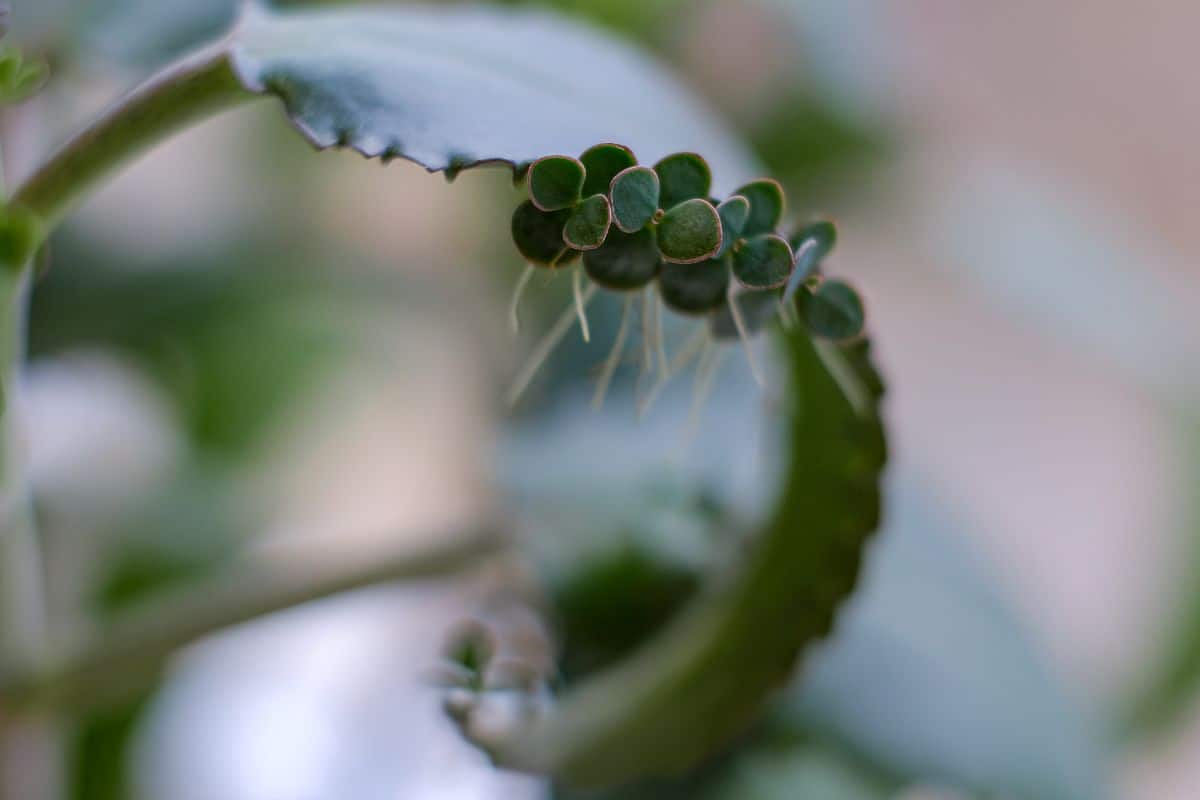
243 350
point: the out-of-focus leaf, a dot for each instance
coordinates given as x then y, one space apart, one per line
234 344
766 206
931 676
791 773
452 87
626 261
764 262
1174 678
185 534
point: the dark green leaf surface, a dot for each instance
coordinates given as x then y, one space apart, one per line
634 198
766 206
538 234
684 176
459 86
690 232
763 262
588 223
706 677
603 162
555 182
694 288
833 311
626 260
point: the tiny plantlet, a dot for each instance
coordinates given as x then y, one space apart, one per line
690 230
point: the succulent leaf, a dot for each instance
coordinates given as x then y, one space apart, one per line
684 176
588 224
602 163
626 261
556 182
694 288
764 262
690 232
635 197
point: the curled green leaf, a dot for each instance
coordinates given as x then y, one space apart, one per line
694 288
690 232
833 311
556 182
811 244
635 195
538 234
766 206
764 262
602 163
588 224
684 176
626 261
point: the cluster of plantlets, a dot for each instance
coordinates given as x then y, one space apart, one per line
635 228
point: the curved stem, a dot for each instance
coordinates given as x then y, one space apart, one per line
125 655
195 87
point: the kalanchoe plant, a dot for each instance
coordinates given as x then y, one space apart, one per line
707 674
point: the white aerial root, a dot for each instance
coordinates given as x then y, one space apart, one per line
614 355
546 346
518 292
647 333
706 373
739 322
577 290
663 368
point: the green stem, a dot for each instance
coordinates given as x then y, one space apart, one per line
126 655
195 87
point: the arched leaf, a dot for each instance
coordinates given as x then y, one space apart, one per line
454 87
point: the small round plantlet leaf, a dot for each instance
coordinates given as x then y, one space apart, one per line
626 261
766 206
690 232
602 163
684 176
764 262
757 309
556 182
634 194
833 311
538 234
588 224
810 244
733 213
694 288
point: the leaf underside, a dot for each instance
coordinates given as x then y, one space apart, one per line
706 677
452 88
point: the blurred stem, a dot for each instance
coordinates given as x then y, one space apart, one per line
28 745
196 87
126 655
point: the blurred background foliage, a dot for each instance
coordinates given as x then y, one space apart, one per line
240 349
